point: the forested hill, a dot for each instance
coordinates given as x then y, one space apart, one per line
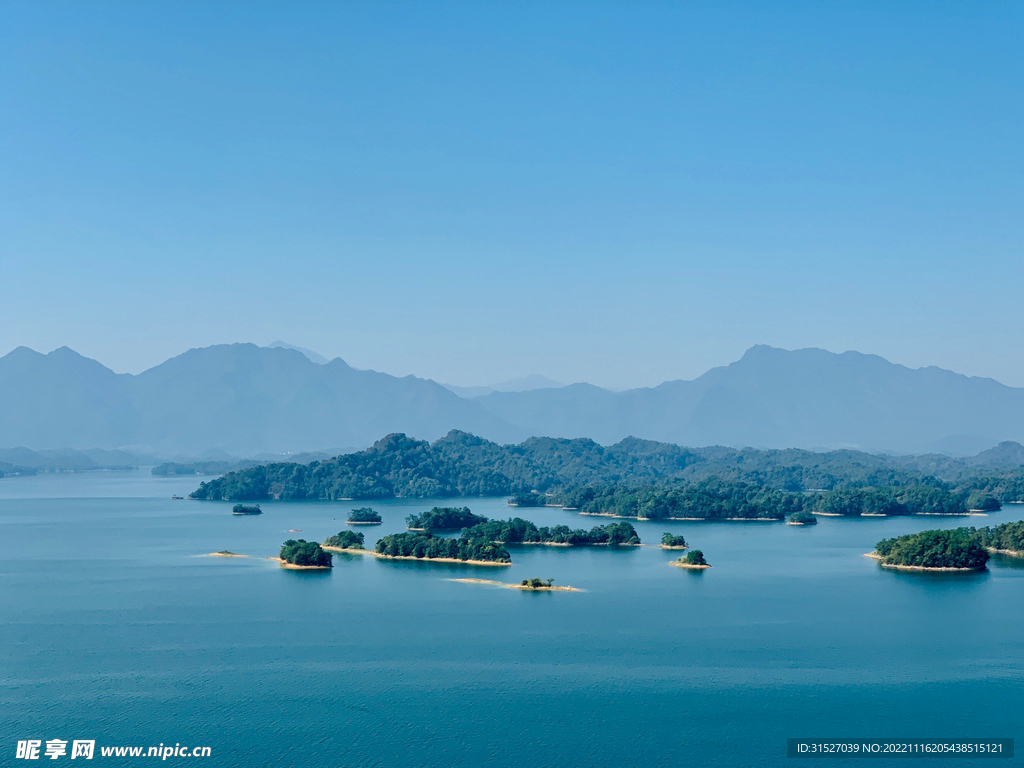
461 464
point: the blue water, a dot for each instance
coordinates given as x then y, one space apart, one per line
114 626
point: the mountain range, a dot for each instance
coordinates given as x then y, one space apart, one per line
245 399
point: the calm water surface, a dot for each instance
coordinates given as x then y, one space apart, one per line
115 626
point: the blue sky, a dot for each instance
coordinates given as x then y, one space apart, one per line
622 193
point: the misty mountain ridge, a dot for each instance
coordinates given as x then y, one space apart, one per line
245 400
521 384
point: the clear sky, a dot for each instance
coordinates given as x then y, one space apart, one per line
621 193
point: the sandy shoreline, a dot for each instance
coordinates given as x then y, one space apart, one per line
669 546
689 566
225 553
293 567
876 556
364 522
1010 552
379 556
507 585
792 522
685 519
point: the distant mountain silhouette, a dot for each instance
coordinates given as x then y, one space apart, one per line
309 353
245 399
238 397
523 384
773 398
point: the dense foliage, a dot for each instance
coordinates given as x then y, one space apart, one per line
671 540
900 500
956 548
425 545
463 465
364 515
304 552
695 557
1008 537
803 518
519 531
444 519
706 500
346 540
242 509
982 501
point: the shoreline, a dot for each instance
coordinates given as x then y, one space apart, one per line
520 587
1008 552
225 553
364 522
689 566
293 567
669 546
685 519
379 556
894 567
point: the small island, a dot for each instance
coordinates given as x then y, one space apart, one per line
225 553
526 585
523 532
364 516
692 560
531 499
802 518
1005 539
344 540
945 550
426 547
305 555
444 519
242 509
671 541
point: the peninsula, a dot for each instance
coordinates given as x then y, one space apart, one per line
944 550
1005 539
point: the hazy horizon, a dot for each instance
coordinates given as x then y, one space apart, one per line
618 194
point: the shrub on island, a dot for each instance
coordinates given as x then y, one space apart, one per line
672 541
694 557
364 515
429 547
957 548
346 540
305 553
444 519
1008 537
519 531
242 509
537 583
802 518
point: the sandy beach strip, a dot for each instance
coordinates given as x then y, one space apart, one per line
507 585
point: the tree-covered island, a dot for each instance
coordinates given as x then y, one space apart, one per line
672 541
517 531
1005 539
948 550
802 517
528 499
304 554
425 546
345 540
692 560
444 519
242 509
364 516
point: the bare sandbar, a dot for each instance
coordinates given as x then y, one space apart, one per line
523 587
225 553
689 566
293 567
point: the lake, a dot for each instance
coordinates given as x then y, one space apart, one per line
116 627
